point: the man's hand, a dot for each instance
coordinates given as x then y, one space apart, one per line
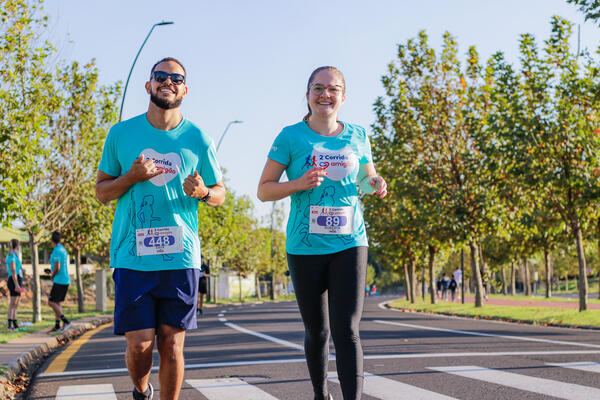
194 186
142 170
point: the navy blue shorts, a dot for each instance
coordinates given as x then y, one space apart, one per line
146 300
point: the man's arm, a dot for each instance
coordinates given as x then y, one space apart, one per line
55 269
194 187
112 187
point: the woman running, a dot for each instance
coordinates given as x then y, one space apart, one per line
15 280
325 159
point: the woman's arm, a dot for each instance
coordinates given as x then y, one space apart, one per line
369 182
270 189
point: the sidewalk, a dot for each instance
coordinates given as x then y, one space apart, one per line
21 354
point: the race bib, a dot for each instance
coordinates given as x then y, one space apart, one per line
331 220
164 240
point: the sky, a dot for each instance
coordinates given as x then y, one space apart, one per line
250 60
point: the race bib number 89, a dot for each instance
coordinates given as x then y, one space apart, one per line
331 220
164 240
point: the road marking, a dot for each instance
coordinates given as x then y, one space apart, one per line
59 364
87 392
331 357
221 315
222 320
581 366
228 389
548 387
266 337
473 333
389 389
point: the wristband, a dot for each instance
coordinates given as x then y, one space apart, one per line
207 197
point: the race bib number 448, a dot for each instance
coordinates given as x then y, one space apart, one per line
331 220
164 240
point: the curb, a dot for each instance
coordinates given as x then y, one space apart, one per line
486 318
27 362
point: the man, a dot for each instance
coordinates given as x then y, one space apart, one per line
159 166
59 263
203 284
458 278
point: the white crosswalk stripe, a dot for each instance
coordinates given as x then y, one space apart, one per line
389 389
581 366
86 392
228 389
548 387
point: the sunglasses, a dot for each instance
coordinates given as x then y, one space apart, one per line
161 76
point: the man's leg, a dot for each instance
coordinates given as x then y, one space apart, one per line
171 370
139 357
200 300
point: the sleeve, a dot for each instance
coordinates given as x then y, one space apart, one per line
109 163
208 166
280 150
365 146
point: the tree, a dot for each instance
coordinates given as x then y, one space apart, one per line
591 8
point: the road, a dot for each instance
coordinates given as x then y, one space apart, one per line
255 352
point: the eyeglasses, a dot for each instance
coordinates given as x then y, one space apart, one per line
334 90
161 76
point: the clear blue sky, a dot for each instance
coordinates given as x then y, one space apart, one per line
250 59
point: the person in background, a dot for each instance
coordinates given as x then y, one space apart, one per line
59 262
15 280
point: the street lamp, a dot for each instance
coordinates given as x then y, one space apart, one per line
224 132
136 57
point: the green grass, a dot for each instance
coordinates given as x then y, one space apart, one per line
538 315
25 313
251 299
593 298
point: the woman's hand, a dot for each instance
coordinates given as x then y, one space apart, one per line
311 179
379 186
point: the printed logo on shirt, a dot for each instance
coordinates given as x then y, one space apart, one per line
338 163
169 164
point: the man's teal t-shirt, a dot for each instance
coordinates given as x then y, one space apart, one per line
156 224
13 257
328 218
59 253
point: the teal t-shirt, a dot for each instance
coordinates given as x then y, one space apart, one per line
328 218
13 257
59 253
156 224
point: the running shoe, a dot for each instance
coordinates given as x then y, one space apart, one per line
66 326
54 329
147 395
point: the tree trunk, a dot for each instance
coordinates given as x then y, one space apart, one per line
37 289
432 251
548 265
423 282
513 284
413 279
257 284
504 290
527 280
583 283
407 280
476 275
240 280
80 295
566 281
273 294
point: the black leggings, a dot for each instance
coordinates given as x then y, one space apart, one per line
330 291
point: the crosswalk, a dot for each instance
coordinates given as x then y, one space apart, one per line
376 386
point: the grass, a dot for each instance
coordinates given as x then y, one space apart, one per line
25 314
540 297
251 299
537 315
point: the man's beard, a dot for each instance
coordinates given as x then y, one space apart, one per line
165 104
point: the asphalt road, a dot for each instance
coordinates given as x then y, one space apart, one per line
255 352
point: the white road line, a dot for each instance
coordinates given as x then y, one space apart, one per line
221 315
222 320
87 392
266 337
331 357
228 389
547 387
389 389
473 333
581 366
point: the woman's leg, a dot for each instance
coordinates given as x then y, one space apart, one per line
347 274
310 284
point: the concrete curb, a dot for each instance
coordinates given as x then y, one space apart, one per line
486 318
27 361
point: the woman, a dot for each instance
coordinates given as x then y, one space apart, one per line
15 280
324 160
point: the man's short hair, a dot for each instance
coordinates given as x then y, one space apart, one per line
56 236
168 59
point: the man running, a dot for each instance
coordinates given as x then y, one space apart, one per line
59 262
159 166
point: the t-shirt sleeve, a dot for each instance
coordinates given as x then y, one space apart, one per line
109 163
280 150
208 166
366 156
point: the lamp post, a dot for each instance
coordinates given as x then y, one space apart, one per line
135 59
225 131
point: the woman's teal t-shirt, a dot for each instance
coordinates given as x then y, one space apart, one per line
328 218
10 258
